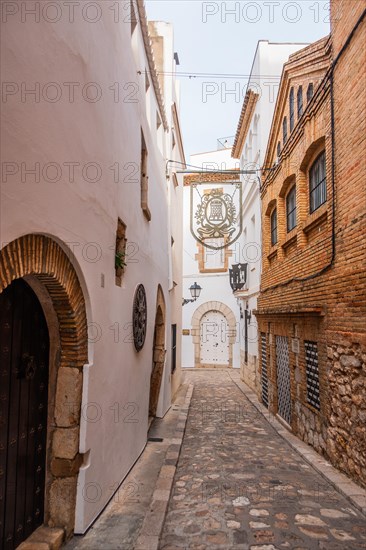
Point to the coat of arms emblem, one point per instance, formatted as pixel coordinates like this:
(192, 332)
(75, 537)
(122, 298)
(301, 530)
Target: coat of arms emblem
(216, 220)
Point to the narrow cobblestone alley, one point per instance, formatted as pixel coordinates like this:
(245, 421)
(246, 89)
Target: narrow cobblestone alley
(239, 485)
(182, 282)
(236, 483)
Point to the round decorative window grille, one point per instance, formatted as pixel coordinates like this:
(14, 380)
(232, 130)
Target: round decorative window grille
(139, 318)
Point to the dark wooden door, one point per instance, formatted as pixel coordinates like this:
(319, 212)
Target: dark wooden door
(24, 349)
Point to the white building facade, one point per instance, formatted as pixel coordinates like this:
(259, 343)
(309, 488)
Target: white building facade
(162, 39)
(211, 323)
(89, 213)
(249, 149)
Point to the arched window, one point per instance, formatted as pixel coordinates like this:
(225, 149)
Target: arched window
(292, 110)
(278, 150)
(291, 209)
(318, 183)
(284, 130)
(274, 227)
(299, 103)
(310, 92)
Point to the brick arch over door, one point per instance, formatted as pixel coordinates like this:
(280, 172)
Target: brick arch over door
(41, 257)
(196, 322)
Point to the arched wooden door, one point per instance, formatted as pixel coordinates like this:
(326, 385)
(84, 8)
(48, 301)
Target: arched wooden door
(24, 349)
(158, 362)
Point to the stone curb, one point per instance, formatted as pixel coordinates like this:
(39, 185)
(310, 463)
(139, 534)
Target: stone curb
(152, 526)
(355, 494)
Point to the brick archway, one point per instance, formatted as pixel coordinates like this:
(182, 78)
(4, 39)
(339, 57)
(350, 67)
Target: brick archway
(41, 258)
(196, 321)
(159, 352)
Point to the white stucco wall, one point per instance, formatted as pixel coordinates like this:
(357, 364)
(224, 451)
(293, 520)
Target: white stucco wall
(82, 214)
(215, 286)
(164, 57)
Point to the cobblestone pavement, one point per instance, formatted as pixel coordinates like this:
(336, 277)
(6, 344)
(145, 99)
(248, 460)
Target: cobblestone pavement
(122, 521)
(239, 485)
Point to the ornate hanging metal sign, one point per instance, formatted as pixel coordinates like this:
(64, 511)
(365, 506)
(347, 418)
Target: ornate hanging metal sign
(139, 319)
(216, 220)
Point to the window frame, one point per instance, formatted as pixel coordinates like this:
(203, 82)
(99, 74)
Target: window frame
(309, 92)
(300, 102)
(279, 150)
(273, 227)
(319, 189)
(291, 219)
(284, 130)
(292, 109)
(144, 178)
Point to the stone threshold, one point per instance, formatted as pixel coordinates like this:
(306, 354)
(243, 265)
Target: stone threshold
(43, 538)
(152, 527)
(355, 494)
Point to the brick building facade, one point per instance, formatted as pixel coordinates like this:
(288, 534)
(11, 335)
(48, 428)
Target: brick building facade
(312, 302)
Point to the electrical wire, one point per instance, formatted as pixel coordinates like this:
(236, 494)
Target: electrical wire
(228, 76)
(204, 171)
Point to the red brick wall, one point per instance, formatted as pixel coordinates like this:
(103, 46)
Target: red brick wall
(307, 248)
(344, 15)
(340, 292)
(346, 324)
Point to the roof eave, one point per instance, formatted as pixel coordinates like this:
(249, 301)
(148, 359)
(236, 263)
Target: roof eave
(246, 114)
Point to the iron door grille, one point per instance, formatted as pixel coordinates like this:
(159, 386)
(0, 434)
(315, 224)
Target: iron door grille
(283, 378)
(312, 374)
(264, 370)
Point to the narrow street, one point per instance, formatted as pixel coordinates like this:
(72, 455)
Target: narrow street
(238, 484)
(182, 282)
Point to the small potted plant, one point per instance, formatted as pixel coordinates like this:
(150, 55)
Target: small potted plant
(120, 262)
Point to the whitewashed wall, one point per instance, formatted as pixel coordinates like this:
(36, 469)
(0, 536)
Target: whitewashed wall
(164, 57)
(82, 214)
(215, 286)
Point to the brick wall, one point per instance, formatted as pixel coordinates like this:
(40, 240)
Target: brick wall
(346, 325)
(329, 308)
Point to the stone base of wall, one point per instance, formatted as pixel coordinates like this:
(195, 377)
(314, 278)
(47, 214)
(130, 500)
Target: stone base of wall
(310, 428)
(249, 371)
(338, 429)
(342, 437)
(346, 444)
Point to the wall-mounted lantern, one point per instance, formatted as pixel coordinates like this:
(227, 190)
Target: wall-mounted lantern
(195, 291)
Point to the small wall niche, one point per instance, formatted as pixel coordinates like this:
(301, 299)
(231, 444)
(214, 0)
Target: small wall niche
(120, 252)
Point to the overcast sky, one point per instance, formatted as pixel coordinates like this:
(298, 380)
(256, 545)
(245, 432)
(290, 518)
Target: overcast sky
(210, 39)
